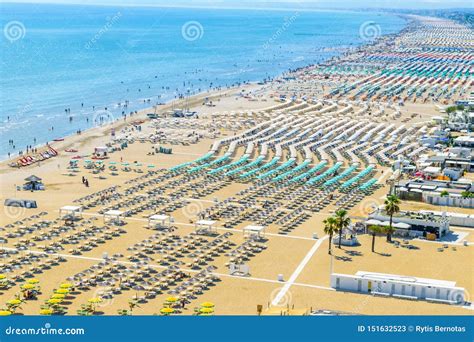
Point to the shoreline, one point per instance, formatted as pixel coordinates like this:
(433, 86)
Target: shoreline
(119, 123)
(250, 163)
(102, 131)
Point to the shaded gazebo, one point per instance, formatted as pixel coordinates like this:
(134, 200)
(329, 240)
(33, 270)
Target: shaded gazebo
(205, 227)
(159, 221)
(33, 183)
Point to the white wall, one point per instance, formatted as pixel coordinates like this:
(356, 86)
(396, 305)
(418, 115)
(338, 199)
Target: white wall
(393, 287)
(449, 201)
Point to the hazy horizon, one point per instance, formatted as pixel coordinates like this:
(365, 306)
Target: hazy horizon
(288, 4)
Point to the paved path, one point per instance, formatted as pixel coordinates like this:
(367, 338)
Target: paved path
(276, 301)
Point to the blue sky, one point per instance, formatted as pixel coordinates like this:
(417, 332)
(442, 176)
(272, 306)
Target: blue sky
(419, 4)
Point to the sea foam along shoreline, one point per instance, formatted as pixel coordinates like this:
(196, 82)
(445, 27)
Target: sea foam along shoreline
(71, 139)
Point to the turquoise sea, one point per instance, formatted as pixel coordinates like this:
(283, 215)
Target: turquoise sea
(88, 58)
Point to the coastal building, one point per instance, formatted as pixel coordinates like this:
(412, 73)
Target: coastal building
(415, 224)
(461, 120)
(435, 137)
(399, 286)
(455, 219)
(437, 192)
(464, 141)
(453, 173)
(455, 157)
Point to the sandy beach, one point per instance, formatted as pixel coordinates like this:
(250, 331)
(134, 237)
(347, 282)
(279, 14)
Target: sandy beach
(289, 268)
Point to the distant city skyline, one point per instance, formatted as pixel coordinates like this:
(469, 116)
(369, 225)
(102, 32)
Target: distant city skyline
(308, 4)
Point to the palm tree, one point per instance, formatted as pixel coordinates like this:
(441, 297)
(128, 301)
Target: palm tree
(467, 194)
(330, 228)
(392, 206)
(444, 193)
(342, 222)
(132, 304)
(374, 230)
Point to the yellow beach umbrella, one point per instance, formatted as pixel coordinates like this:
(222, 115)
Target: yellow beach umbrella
(65, 285)
(206, 310)
(172, 299)
(62, 291)
(32, 281)
(14, 302)
(95, 300)
(2, 276)
(5, 313)
(167, 311)
(54, 301)
(57, 296)
(46, 312)
(207, 305)
(27, 286)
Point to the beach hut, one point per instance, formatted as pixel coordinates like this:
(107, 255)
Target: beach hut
(33, 183)
(22, 203)
(100, 152)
